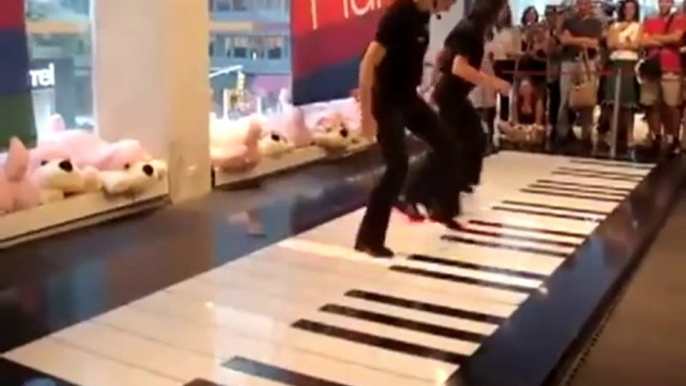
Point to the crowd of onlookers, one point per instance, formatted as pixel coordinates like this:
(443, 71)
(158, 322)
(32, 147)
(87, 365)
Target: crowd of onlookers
(627, 59)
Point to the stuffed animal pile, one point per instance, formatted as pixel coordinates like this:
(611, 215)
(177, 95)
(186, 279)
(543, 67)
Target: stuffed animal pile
(71, 162)
(520, 134)
(240, 145)
(336, 125)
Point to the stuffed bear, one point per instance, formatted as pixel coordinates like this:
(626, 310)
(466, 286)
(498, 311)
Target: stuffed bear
(331, 132)
(17, 191)
(56, 176)
(234, 145)
(123, 166)
(274, 145)
(350, 111)
(289, 124)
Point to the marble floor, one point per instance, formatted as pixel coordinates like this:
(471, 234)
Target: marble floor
(309, 310)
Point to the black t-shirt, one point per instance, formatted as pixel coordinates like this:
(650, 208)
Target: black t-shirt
(588, 27)
(404, 32)
(467, 41)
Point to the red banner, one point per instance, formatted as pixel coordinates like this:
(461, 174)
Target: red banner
(329, 39)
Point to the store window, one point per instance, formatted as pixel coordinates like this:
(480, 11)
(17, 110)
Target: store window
(240, 45)
(249, 58)
(257, 47)
(60, 50)
(275, 49)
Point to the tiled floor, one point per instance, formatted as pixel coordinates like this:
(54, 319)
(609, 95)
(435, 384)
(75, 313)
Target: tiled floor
(309, 310)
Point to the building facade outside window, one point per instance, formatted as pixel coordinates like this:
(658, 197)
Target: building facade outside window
(249, 55)
(60, 50)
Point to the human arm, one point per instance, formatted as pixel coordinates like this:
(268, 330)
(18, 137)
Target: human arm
(371, 60)
(462, 42)
(675, 33)
(648, 40)
(461, 68)
(436, 70)
(390, 26)
(568, 40)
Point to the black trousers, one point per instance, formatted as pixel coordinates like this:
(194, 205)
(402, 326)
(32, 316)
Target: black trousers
(462, 120)
(393, 116)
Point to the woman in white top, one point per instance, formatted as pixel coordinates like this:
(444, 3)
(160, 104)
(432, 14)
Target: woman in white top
(623, 43)
(505, 47)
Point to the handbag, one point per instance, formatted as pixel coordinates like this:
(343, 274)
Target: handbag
(650, 67)
(584, 93)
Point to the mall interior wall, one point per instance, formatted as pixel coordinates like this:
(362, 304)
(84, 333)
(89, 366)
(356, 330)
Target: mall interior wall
(441, 27)
(150, 83)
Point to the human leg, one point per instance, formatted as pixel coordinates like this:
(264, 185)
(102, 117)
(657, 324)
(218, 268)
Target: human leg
(650, 97)
(371, 235)
(563, 123)
(441, 175)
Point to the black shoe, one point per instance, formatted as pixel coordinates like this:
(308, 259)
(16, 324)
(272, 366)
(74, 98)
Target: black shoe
(447, 221)
(410, 210)
(381, 251)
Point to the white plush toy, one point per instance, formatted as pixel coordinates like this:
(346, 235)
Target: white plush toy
(53, 172)
(123, 166)
(350, 111)
(332, 133)
(234, 145)
(139, 177)
(290, 123)
(275, 145)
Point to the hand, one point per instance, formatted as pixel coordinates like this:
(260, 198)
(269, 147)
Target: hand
(424, 89)
(503, 87)
(369, 126)
(592, 43)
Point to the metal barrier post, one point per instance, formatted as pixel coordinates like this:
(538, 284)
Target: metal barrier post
(615, 114)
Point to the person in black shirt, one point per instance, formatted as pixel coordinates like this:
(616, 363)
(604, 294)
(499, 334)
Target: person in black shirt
(390, 73)
(459, 65)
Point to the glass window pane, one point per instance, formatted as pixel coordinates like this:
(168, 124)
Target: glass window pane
(61, 61)
(253, 36)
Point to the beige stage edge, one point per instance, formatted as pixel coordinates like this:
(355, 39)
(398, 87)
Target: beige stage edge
(76, 212)
(289, 161)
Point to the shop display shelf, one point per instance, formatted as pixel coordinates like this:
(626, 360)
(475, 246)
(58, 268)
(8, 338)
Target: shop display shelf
(293, 160)
(76, 212)
(269, 166)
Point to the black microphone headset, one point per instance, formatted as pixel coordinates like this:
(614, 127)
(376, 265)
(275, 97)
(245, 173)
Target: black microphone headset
(438, 15)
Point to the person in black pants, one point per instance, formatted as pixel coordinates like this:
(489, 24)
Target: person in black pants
(459, 66)
(390, 74)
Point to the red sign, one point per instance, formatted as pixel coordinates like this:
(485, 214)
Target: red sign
(329, 38)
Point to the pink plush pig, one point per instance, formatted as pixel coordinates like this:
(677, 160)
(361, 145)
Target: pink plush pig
(17, 191)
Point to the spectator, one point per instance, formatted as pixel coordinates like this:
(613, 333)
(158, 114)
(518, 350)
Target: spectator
(529, 17)
(662, 34)
(554, 20)
(532, 64)
(505, 48)
(623, 43)
(581, 34)
(528, 105)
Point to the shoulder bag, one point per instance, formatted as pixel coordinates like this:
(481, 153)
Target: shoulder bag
(584, 92)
